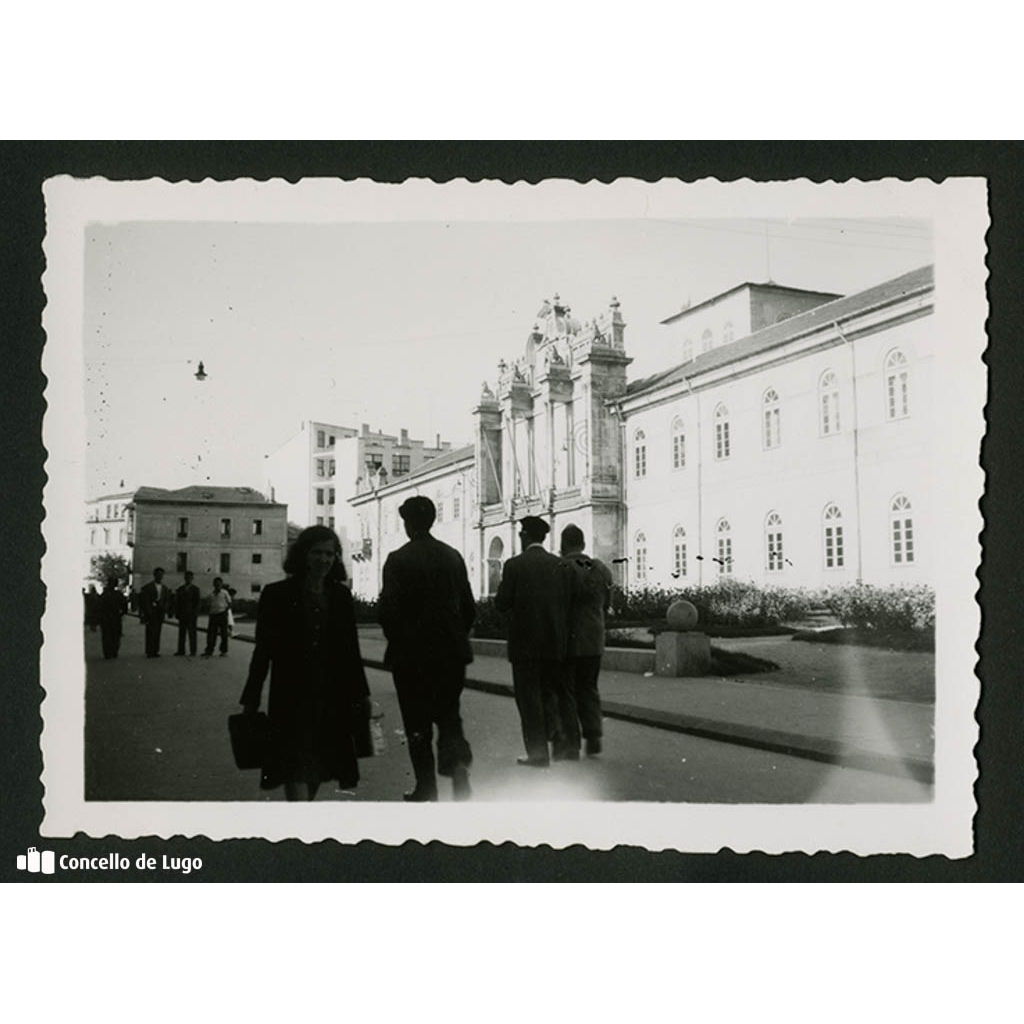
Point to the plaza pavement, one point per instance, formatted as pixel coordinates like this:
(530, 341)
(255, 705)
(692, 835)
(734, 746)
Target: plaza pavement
(819, 704)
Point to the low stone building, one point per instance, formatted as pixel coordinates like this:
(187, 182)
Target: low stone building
(232, 532)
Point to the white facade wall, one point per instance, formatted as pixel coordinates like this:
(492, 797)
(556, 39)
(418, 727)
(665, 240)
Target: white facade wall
(798, 479)
(687, 333)
(287, 473)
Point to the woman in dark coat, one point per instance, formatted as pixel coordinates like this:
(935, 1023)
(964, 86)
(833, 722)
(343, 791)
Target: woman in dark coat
(306, 637)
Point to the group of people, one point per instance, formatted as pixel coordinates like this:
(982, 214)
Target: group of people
(306, 640)
(157, 602)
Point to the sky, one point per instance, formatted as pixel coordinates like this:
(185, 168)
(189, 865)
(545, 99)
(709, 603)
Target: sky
(391, 324)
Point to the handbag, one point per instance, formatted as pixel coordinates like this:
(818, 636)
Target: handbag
(250, 738)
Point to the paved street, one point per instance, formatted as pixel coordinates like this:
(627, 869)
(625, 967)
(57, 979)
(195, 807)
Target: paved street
(156, 730)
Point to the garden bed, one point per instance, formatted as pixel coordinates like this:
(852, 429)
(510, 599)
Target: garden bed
(886, 639)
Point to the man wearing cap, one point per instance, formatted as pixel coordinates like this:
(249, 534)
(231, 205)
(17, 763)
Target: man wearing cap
(536, 594)
(427, 610)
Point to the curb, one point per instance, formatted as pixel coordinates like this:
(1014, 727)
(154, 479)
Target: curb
(794, 744)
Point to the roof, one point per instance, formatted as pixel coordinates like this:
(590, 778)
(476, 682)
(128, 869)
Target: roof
(778, 334)
(204, 495)
(438, 462)
(769, 286)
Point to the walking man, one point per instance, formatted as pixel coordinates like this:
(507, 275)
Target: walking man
(427, 609)
(186, 608)
(593, 596)
(154, 603)
(220, 603)
(112, 606)
(536, 592)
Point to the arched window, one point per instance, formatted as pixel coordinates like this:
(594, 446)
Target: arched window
(721, 432)
(772, 434)
(678, 552)
(773, 541)
(832, 536)
(687, 350)
(828, 403)
(707, 341)
(678, 444)
(639, 454)
(640, 557)
(901, 523)
(727, 332)
(723, 534)
(897, 385)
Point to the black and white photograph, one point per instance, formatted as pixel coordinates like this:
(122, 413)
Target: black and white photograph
(630, 513)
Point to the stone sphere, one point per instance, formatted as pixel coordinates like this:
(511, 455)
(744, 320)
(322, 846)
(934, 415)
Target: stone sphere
(682, 616)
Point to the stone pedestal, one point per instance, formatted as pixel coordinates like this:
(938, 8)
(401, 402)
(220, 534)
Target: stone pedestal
(682, 654)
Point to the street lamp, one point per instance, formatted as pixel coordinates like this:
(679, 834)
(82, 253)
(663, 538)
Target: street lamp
(200, 373)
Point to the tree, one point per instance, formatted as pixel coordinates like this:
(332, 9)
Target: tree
(102, 567)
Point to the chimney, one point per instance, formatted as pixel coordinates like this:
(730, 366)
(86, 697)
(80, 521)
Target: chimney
(438, 445)
(405, 438)
(366, 429)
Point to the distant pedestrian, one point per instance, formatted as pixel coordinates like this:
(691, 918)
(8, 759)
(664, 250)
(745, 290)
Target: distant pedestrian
(592, 599)
(112, 606)
(186, 610)
(536, 592)
(154, 604)
(306, 638)
(427, 609)
(220, 608)
(92, 608)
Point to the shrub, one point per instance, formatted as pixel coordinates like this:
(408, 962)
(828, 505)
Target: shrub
(365, 610)
(490, 623)
(895, 608)
(725, 602)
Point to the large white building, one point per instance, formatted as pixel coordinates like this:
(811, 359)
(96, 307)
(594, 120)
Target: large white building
(789, 442)
(106, 531)
(322, 465)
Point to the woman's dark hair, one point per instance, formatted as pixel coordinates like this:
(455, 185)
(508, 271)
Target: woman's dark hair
(295, 563)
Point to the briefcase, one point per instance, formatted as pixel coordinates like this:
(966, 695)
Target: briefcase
(250, 737)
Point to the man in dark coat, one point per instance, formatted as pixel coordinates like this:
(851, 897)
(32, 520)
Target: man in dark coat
(536, 593)
(186, 610)
(427, 609)
(593, 595)
(112, 605)
(154, 604)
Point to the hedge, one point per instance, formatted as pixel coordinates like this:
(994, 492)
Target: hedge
(864, 606)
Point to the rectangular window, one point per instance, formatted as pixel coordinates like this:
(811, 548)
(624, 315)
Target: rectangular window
(319, 520)
(183, 526)
(181, 562)
(902, 541)
(257, 527)
(320, 471)
(771, 428)
(257, 558)
(833, 547)
(679, 451)
(225, 562)
(330, 522)
(255, 588)
(775, 551)
(319, 495)
(225, 527)
(724, 556)
(330, 441)
(330, 496)
(640, 460)
(440, 510)
(680, 559)
(400, 465)
(320, 439)
(722, 439)
(330, 467)
(456, 507)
